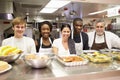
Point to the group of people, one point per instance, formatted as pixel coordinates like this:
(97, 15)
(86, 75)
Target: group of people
(69, 42)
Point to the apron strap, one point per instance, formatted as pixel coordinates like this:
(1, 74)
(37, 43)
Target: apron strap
(42, 41)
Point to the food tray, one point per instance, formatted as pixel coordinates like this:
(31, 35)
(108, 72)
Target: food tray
(97, 57)
(10, 67)
(116, 54)
(75, 63)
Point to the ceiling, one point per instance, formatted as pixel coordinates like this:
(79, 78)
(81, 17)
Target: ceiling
(31, 9)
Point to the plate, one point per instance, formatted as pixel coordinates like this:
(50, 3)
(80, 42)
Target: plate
(74, 63)
(10, 67)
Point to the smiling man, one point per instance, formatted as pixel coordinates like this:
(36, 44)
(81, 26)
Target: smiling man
(101, 39)
(64, 45)
(26, 44)
(80, 37)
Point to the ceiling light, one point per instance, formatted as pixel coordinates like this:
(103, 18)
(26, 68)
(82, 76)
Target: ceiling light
(48, 10)
(54, 5)
(97, 12)
(110, 11)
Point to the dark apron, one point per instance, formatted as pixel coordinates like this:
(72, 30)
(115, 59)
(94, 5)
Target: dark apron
(98, 46)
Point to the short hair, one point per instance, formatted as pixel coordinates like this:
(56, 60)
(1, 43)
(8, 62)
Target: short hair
(100, 21)
(77, 19)
(18, 20)
(45, 22)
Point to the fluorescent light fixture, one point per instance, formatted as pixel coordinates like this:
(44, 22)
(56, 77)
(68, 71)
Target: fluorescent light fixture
(54, 5)
(98, 12)
(110, 11)
(48, 10)
(57, 3)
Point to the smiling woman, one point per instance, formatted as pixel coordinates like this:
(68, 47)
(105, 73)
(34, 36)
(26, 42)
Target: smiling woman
(44, 43)
(66, 44)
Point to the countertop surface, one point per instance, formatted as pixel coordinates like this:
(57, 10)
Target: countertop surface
(57, 71)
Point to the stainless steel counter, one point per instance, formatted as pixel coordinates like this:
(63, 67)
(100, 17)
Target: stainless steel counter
(57, 71)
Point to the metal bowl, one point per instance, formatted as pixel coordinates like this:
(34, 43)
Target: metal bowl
(37, 63)
(10, 58)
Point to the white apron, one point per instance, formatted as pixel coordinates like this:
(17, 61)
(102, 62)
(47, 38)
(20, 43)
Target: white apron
(45, 50)
(79, 46)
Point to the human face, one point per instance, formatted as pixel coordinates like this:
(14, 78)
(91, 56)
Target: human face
(78, 26)
(65, 33)
(45, 31)
(100, 28)
(19, 30)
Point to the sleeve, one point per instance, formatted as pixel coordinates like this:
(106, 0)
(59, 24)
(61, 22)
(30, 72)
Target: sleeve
(55, 43)
(115, 40)
(3, 43)
(32, 46)
(6, 42)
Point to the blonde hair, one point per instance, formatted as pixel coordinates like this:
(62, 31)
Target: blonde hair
(18, 20)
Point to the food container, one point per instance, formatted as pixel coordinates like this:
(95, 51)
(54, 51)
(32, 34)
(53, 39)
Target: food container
(72, 60)
(97, 57)
(10, 58)
(37, 61)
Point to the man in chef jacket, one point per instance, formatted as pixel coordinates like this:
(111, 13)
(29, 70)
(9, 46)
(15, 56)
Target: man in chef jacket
(101, 39)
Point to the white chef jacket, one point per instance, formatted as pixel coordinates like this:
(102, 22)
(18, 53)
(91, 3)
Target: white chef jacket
(112, 39)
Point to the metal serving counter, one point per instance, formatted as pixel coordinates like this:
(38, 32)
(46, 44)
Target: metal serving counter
(57, 71)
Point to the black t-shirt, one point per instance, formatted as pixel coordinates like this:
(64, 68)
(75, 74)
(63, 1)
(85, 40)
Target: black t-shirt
(43, 46)
(77, 38)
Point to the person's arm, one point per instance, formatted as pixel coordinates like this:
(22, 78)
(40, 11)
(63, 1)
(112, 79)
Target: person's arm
(54, 47)
(115, 41)
(55, 50)
(3, 43)
(6, 42)
(33, 47)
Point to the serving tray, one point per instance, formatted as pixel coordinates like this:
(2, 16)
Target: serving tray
(74, 63)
